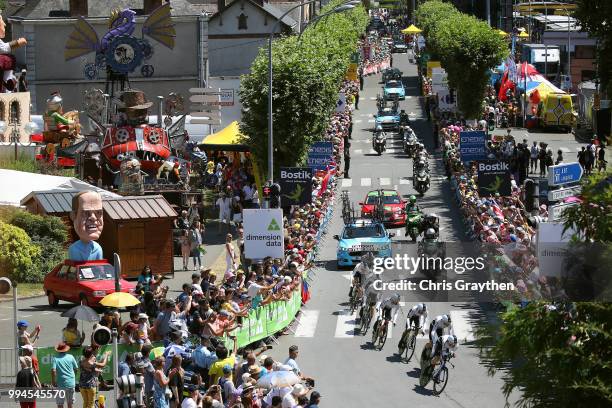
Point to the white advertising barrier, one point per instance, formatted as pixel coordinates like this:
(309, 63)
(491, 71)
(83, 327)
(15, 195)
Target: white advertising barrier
(444, 98)
(551, 246)
(263, 233)
(439, 77)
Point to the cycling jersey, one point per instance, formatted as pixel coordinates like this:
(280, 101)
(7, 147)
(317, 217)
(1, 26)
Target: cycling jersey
(418, 317)
(442, 346)
(390, 309)
(437, 326)
(362, 271)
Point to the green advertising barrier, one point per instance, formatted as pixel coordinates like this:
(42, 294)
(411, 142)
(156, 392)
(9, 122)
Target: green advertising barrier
(266, 320)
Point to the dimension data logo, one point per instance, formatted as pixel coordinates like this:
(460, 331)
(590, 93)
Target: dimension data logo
(273, 226)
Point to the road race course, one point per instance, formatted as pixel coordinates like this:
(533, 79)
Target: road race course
(348, 372)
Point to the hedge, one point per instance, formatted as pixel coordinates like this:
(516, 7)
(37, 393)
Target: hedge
(17, 254)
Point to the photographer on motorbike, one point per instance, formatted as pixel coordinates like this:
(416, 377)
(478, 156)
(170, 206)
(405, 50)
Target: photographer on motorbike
(379, 140)
(404, 119)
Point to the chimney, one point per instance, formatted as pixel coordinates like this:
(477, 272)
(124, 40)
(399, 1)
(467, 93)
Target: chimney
(150, 5)
(78, 8)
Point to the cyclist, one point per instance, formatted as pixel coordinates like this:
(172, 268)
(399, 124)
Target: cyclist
(444, 347)
(389, 306)
(417, 317)
(412, 205)
(362, 271)
(437, 326)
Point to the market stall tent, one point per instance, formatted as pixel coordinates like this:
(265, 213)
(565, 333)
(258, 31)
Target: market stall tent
(227, 140)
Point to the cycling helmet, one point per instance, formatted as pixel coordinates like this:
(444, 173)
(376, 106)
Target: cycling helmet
(432, 216)
(430, 233)
(424, 307)
(452, 340)
(445, 319)
(378, 128)
(396, 298)
(448, 317)
(412, 199)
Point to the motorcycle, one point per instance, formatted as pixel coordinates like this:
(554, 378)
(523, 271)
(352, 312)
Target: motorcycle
(379, 143)
(433, 253)
(413, 224)
(421, 181)
(410, 141)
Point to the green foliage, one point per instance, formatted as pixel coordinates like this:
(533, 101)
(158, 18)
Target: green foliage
(592, 219)
(555, 358)
(17, 254)
(38, 227)
(467, 48)
(595, 17)
(27, 164)
(306, 78)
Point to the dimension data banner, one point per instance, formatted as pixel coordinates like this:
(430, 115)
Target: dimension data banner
(296, 185)
(263, 233)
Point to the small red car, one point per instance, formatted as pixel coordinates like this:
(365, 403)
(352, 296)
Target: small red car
(84, 282)
(394, 206)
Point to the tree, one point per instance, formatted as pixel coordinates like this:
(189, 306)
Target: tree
(306, 79)
(17, 254)
(595, 17)
(467, 47)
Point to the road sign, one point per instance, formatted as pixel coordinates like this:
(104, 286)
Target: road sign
(227, 97)
(562, 193)
(206, 114)
(555, 211)
(205, 107)
(205, 91)
(199, 121)
(202, 98)
(564, 173)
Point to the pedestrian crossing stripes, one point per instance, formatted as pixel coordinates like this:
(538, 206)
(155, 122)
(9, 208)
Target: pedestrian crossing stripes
(372, 151)
(564, 149)
(366, 181)
(385, 181)
(347, 182)
(347, 324)
(307, 324)
(405, 180)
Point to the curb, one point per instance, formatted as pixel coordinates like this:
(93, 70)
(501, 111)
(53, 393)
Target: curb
(22, 298)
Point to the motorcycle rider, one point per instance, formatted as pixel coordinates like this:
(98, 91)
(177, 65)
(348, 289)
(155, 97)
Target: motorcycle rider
(379, 132)
(431, 221)
(404, 119)
(411, 205)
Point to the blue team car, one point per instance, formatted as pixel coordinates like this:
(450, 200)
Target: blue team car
(388, 118)
(360, 237)
(394, 88)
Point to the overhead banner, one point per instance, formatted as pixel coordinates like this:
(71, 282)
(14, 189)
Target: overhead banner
(263, 233)
(296, 185)
(494, 177)
(473, 145)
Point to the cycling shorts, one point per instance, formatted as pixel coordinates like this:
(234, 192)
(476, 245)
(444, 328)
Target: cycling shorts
(386, 313)
(372, 299)
(414, 321)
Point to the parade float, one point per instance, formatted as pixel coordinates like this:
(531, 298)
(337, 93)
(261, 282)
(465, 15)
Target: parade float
(126, 153)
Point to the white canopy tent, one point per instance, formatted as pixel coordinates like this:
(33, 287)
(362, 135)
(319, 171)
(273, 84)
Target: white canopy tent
(15, 185)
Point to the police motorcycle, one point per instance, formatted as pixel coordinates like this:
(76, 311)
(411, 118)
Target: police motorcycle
(409, 140)
(414, 218)
(421, 180)
(379, 140)
(404, 119)
(433, 253)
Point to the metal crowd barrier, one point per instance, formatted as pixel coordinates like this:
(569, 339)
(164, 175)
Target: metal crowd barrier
(7, 365)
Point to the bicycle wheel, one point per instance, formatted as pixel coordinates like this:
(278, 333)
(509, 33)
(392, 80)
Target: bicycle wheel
(440, 381)
(365, 321)
(403, 343)
(382, 338)
(375, 330)
(425, 376)
(411, 345)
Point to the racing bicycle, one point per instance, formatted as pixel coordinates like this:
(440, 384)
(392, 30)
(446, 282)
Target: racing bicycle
(407, 343)
(379, 333)
(366, 318)
(356, 298)
(438, 375)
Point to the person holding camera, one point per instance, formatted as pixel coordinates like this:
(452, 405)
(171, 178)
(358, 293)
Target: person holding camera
(194, 400)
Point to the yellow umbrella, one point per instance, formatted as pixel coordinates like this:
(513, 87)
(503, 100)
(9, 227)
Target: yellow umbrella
(523, 34)
(156, 352)
(119, 299)
(502, 33)
(411, 30)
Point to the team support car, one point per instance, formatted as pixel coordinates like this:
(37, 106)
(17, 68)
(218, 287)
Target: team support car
(394, 88)
(391, 73)
(362, 236)
(388, 119)
(393, 206)
(82, 282)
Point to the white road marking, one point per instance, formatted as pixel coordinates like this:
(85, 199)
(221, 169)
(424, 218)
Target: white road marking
(564, 149)
(347, 182)
(409, 97)
(345, 324)
(26, 316)
(395, 187)
(357, 151)
(307, 324)
(385, 181)
(405, 180)
(366, 182)
(6, 319)
(461, 326)
(46, 313)
(371, 120)
(358, 121)
(372, 98)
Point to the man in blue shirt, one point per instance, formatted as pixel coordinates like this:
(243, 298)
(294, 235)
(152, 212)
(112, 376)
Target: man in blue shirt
(63, 374)
(88, 219)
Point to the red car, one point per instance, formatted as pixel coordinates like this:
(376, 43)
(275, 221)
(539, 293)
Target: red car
(87, 282)
(394, 206)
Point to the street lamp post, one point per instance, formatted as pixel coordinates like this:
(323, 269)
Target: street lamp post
(5, 286)
(270, 77)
